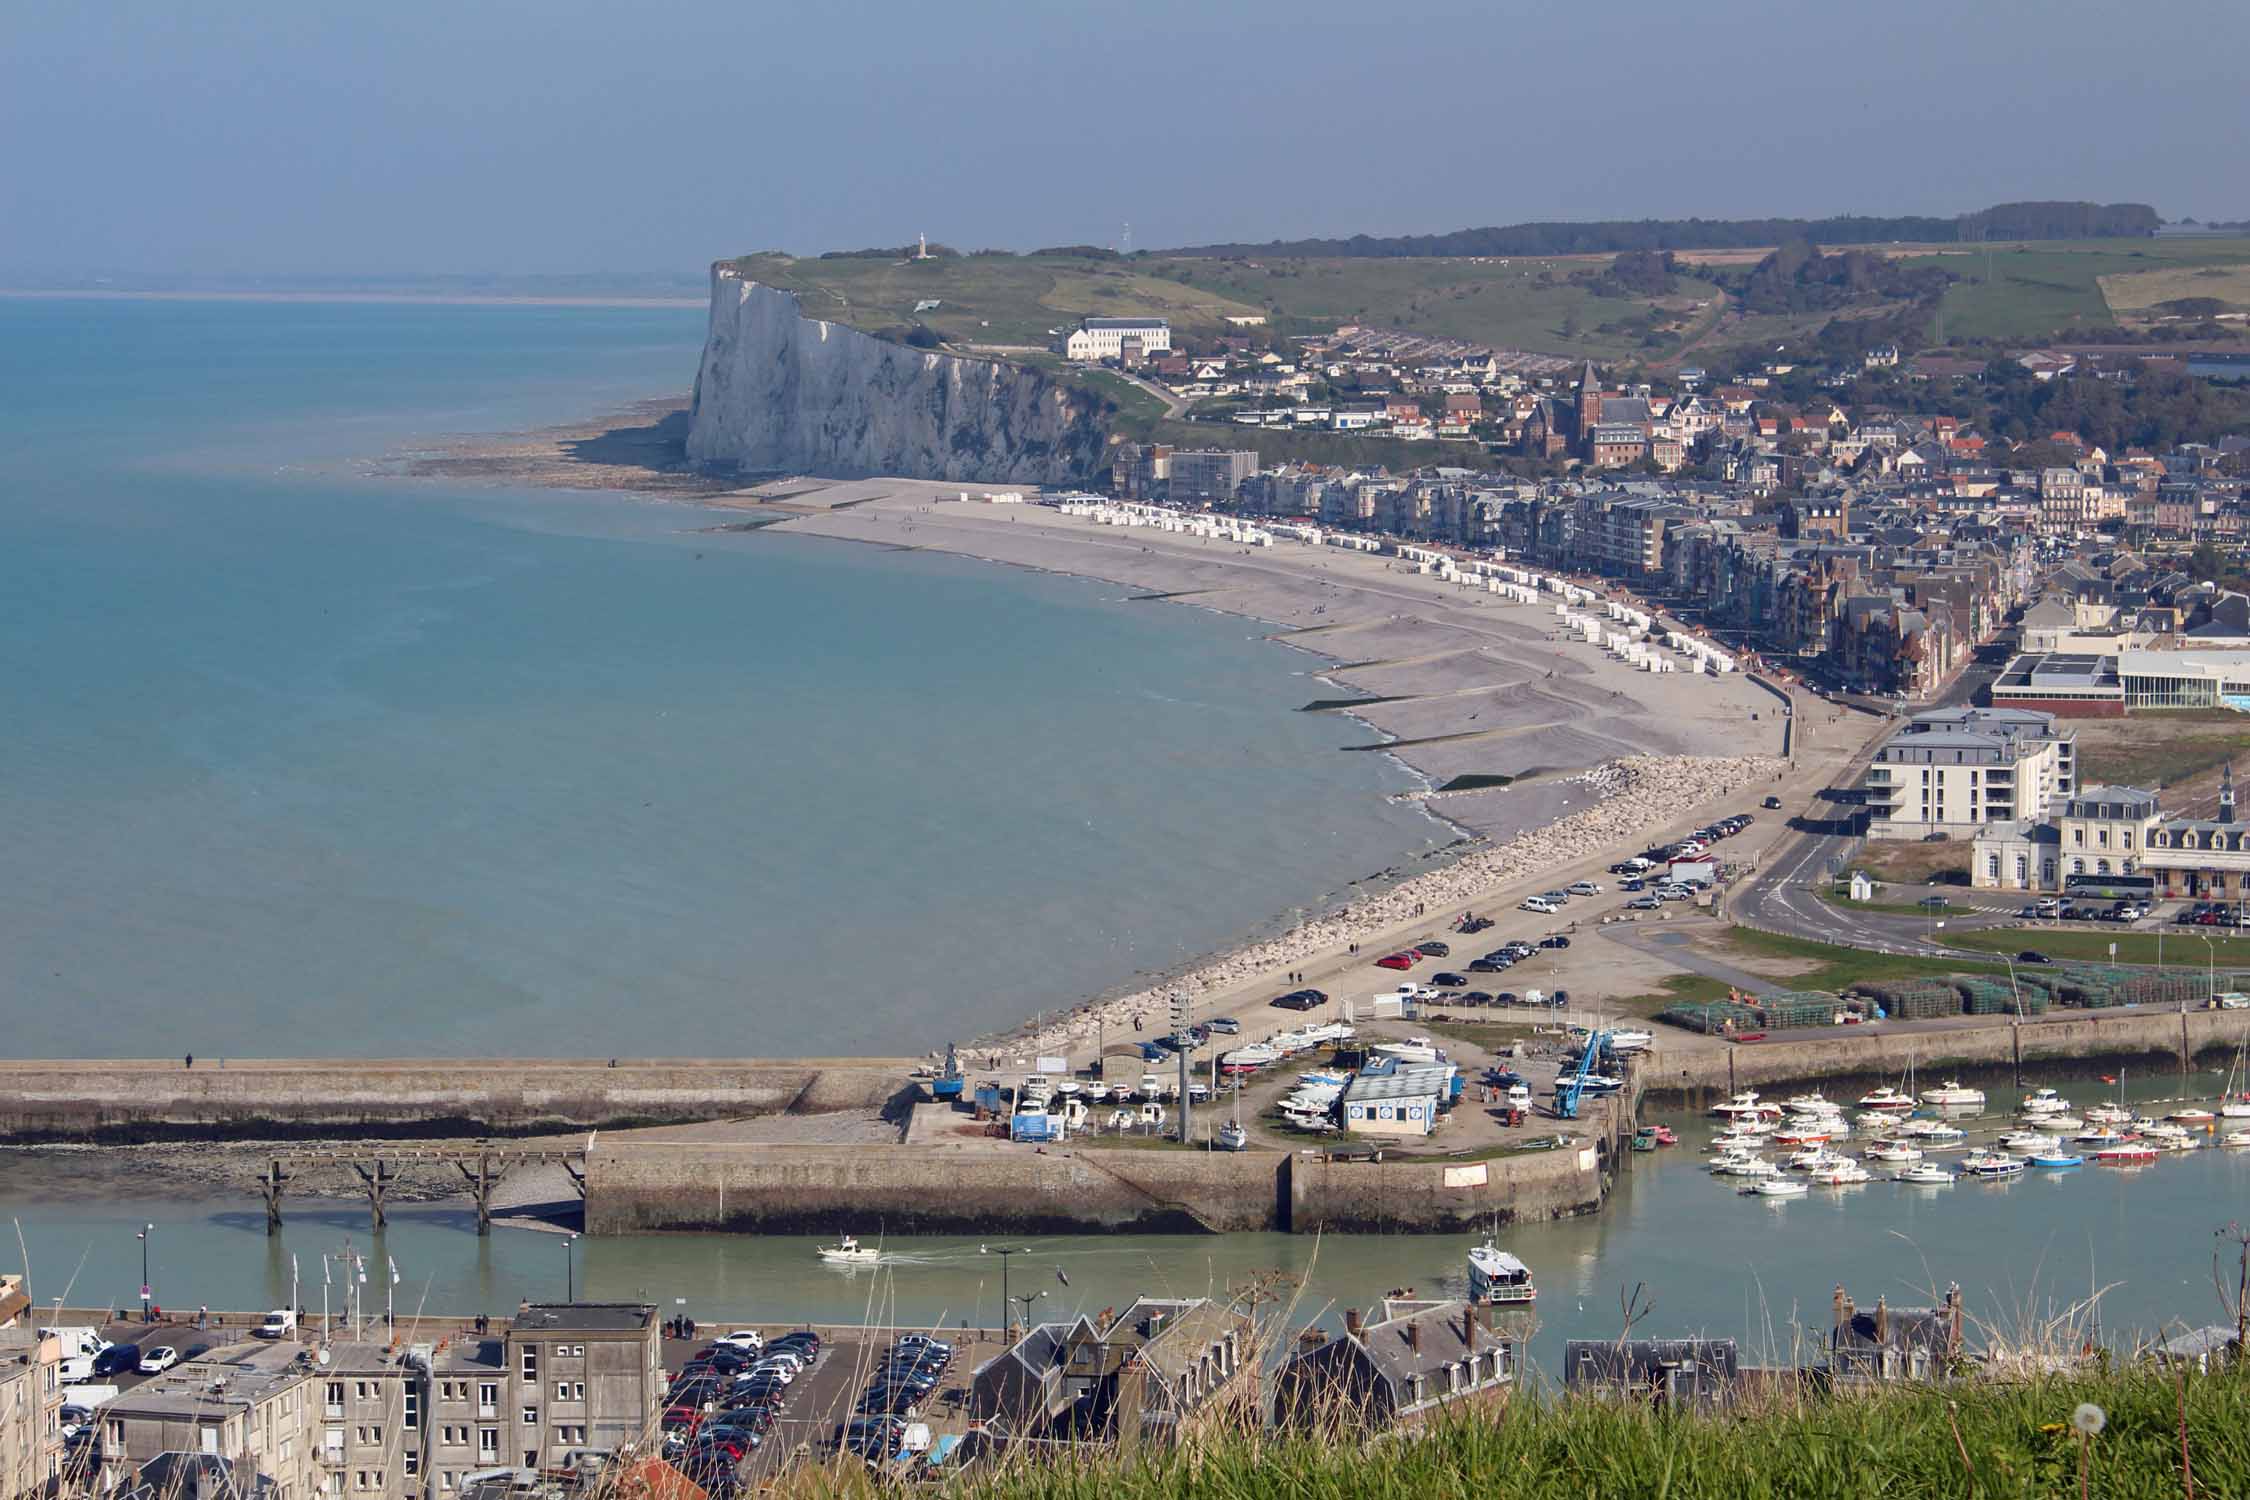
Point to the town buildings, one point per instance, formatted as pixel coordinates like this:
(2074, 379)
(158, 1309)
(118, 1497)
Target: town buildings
(1126, 340)
(1417, 1358)
(1953, 771)
(1157, 1373)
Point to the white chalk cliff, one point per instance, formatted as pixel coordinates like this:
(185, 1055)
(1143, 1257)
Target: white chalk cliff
(781, 392)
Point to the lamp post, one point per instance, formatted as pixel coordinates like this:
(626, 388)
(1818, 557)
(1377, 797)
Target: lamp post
(1027, 1301)
(145, 1231)
(570, 1268)
(1004, 1252)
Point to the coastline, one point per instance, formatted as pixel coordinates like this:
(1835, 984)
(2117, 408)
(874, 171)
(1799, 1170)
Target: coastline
(1455, 684)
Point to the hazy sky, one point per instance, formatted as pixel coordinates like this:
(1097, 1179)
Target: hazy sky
(261, 136)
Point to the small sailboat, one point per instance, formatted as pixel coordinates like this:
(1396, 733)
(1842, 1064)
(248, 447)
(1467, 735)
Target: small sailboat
(1232, 1137)
(848, 1251)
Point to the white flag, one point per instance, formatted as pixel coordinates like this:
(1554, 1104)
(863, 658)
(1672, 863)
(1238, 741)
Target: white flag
(394, 1270)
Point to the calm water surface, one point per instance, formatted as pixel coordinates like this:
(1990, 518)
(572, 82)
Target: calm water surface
(299, 763)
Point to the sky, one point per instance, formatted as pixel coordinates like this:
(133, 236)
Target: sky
(281, 137)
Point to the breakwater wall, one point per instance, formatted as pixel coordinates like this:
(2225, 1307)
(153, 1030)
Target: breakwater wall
(1698, 1073)
(122, 1101)
(635, 1186)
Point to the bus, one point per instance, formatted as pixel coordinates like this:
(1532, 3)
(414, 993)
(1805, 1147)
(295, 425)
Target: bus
(2140, 888)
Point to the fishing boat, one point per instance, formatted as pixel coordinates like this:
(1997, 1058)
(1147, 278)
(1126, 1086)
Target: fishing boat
(2058, 1159)
(2191, 1116)
(1887, 1100)
(1893, 1151)
(1843, 1172)
(1810, 1136)
(1990, 1164)
(2126, 1153)
(1927, 1174)
(2029, 1142)
(1779, 1187)
(1953, 1095)
(848, 1251)
(1746, 1106)
(1497, 1278)
(2237, 1139)
(2043, 1102)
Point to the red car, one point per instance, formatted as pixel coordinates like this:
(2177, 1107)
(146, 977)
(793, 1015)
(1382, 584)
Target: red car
(1397, 960)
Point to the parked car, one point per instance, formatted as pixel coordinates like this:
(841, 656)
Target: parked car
(1485, 966)
(1433, 948)
(1771, 802)
(2033, 956)
(1643, 903)
(744, 1338)
(1225, 1025)
(1539, 904)
(159, 1359)
(1585, 888)
(117, 1359)
(1449, 981)
(1396, 961)
(1554, 940)
(1632, 883)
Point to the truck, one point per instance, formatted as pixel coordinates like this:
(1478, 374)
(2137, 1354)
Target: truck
(1035, 1125)
(76, 1340)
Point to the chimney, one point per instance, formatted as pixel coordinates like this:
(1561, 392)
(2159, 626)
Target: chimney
(1953, 1322)
(1882, 1320)
(1843, 1308)
(1351, 1321)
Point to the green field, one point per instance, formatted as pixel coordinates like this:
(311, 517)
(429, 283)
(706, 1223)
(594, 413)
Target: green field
(2186, 948)
(2054, 287)
(1677, 989)
(987, 299)
(1833, 967)
(1512, 304)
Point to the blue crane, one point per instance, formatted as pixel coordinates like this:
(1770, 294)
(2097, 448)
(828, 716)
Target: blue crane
(1567, 1089)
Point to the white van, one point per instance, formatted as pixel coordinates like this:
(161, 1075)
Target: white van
(76, 1340)
(278, 1324)
(1538, 904)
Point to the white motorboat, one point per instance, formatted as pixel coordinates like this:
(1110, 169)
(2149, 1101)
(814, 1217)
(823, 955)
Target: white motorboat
(1630, 1041)
(1953, 1095)
(1887, 1100)
(2236, 1108)
(1842, 1172)
(1745, 1166)
(1894, 1151)
(1250, 1058)
(2030, 1142)
(2059, 1124)
(2191, 1116)
(2109, 1114)
(1497, 1278)
(848, 1251)
(2043, 1102)
(2099, 1136)
(1814, 1159)
(1779, 1187)
(2237, 1139)
(1932, 1134)
(1746, 1106)
(1927, 1174)
(1813, 1104)
(1991, 1164)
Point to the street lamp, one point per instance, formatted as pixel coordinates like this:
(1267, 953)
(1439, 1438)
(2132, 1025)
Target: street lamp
(1027, 1301)
(145, 1231)
(1004, 1251)
(570, 1269)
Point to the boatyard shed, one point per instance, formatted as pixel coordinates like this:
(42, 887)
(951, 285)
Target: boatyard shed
(1417, 1357)
(1393, 1097)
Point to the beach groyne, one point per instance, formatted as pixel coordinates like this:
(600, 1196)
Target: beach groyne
(108, 1100)
(1694, 1075)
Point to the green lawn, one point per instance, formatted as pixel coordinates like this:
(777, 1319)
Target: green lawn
(2053, 287)
(1678, 989)
(2188, 948)
(1836, 967)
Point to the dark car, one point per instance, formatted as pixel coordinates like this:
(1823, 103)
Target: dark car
(1632, 883)
(118, 1359)
(1556, 941)
(1298, 1001)
(1935, 903)
(1771, 802)
(1506, 997)
(2033, 956)
(1485, 966)
(1449, 981)
(871, 1437)
(1433, 948)
(1477, 997)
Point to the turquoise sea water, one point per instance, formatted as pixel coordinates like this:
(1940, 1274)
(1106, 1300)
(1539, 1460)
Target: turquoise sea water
(299, 762)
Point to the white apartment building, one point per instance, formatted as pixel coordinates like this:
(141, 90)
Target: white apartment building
(1956, 770)
(1096, 339)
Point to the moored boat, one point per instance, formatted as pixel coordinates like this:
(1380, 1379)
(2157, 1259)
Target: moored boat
(2029, 1142)
(1843, 1172)
(2191, 1116)
(2058, 1159)
(1497, 1278)
(1779, 1187)
(2125, 1153)
(1990, 1164)
(2043, 1102)
(1887, 1100)
(1953, 1094)
(1926, 1174)
(2237, 1139)
(1893, 1151)
(1746, 1106)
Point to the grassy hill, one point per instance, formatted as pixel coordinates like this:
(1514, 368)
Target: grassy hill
(2043, 288)
(987, 299)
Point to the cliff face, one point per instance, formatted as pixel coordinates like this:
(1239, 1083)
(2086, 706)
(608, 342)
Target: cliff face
(780, 391)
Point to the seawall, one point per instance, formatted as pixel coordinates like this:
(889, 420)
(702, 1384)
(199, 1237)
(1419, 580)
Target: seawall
(109, 1100)
(1696, 1074)
(639, 1186)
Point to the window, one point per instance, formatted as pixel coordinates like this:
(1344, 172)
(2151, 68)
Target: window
(362, 1389)
(488, 1398)
(488, 1442)
(445, 1480)
(570, 1390)
(1992, 866)
(531, 1416)
(413, 1415)
(413, 1463)
(530, 1362)
(335, 1398)
(336, 1483)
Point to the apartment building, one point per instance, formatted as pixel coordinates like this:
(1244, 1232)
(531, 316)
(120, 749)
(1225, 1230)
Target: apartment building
(1106, 338)
(585, 1374)
(254, 1405)
(1955, 770)
(1209, 475)
(30, 1403)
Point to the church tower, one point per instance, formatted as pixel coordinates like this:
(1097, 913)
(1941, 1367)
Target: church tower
(1589, 404)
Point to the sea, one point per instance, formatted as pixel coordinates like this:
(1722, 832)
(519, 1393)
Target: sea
(304, 760)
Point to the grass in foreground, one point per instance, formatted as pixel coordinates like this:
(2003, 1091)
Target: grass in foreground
(2156, 1439)
(2189, 948)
